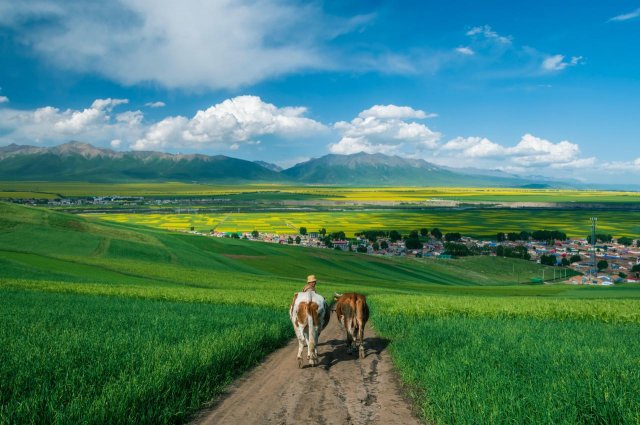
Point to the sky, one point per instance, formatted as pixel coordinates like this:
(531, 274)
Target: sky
(532, 88)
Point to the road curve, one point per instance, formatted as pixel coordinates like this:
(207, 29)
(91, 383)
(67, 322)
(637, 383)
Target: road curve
(342, 390)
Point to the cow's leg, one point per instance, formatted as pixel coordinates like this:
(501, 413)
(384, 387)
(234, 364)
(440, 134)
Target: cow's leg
(300, 335)
(312, 349)
(360, 338)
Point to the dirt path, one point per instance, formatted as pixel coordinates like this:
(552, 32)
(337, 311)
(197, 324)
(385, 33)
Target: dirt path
(341, 390)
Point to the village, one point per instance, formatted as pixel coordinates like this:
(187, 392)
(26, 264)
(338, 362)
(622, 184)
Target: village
(616, 261)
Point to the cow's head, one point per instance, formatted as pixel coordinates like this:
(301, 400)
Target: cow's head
(336, 296)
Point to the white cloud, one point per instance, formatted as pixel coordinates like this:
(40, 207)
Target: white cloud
(487, 32)
(393, 111)
(157, 104)
(4, 99)
(626, 16)
(187, 44)
(230, 123)
(529, 153)
(557, 62)
(474, 147)
(384, 129)
(615, 167)
(48, 125)
(464, 50)
(227, 125)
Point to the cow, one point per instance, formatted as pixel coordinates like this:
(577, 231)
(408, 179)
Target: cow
(352, 312)
(310, 314)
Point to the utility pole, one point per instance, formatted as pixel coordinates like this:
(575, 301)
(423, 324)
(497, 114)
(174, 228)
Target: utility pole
(594, 221)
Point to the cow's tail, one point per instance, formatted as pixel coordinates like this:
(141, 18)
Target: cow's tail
(312, 331)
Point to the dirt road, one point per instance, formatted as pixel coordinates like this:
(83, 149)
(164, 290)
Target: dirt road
(341, 390)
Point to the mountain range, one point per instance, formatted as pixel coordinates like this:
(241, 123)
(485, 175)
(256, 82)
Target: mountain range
(77, 161)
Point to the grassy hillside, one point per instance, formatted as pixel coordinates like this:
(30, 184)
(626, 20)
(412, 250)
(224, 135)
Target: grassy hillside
(104, 322)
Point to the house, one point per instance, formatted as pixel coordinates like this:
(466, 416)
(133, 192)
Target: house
(343, 245)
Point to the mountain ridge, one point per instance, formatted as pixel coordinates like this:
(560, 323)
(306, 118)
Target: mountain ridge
(82, 161)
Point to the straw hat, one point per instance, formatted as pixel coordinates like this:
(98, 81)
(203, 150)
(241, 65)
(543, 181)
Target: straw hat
(311, 278)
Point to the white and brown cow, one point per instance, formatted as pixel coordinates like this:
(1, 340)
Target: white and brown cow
(353, 313)
(309, 314)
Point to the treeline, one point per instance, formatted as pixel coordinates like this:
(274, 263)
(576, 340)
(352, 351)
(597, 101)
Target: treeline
(538, 235)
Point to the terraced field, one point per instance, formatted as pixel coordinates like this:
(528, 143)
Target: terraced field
(470, 222)
(116, 323)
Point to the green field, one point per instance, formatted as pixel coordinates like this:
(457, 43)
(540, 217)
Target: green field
(106, 322)
(469, 222)
(334, 193)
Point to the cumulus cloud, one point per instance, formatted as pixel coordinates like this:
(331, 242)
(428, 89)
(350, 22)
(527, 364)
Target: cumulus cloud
(474, 147)
(52, 125)
(227, 125)
(187, 44)
(4, 99)
(626, 16)
(464, 50)
(157, 104)
(385, 129)
(557, 62)
(230, 123)
(530, 152)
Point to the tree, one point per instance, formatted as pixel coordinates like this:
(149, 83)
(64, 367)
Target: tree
(327, 242)
(235, 236)
(362, 249)
(298, 240)
(413, 234)
(436, 233)
(338, 235)
(413, 243)
(602, 237)
(322, 231)
(424, 232)
(452, 237)
(501, 237)
(456, 249)
(548, 260)
(603, 265)
(255, 234)
(384, 245)
(376, 246)
(635, 268)
(394, 236)
(575, 258)
(525, 236)
(623, 275)
(565, 262)
(303, 231)
(289, 240)
(512, 236)
(626, 241)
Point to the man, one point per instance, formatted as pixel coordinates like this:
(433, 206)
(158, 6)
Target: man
(311, 284)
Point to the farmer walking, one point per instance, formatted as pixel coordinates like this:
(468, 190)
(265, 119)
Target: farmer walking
(311, 284)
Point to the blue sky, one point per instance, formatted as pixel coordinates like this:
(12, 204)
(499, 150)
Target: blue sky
(540, 87)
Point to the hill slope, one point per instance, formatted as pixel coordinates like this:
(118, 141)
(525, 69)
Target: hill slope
(84, 162)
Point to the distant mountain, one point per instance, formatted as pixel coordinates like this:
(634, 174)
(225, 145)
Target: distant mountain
(269, 166)
(84, 162)
(77, 161)
(365, 169)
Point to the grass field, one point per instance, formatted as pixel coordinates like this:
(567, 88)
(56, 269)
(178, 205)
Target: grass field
(470, 222)
(116, 323)
(335, 193)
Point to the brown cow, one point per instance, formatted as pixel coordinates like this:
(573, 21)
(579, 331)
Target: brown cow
(353, 313)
